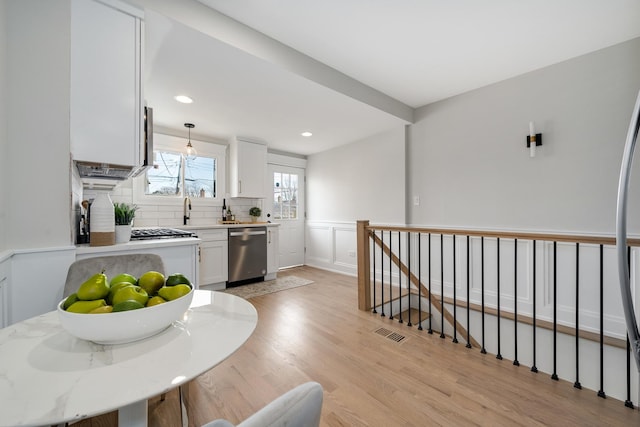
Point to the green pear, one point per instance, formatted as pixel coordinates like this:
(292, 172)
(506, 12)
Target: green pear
(86, 306)
(96, 287)
(171, 293)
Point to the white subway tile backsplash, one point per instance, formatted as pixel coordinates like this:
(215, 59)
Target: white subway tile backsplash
(172, 215)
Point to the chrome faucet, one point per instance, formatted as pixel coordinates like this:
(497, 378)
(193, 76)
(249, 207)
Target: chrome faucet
(187, 203)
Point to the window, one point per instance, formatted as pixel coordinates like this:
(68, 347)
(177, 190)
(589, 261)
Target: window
(174, 177)
(285, 195)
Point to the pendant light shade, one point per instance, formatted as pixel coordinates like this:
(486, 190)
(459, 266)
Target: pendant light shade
(191, 152)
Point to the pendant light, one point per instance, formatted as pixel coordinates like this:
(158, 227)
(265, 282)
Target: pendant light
(191, 152)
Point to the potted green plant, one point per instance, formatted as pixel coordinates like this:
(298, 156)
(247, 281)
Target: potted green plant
(255, 212)
(124, 214)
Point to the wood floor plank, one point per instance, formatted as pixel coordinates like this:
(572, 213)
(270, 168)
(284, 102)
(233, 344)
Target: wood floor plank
(315, 332)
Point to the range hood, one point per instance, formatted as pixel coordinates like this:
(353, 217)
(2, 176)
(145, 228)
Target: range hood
(104, 171)
(105, 176)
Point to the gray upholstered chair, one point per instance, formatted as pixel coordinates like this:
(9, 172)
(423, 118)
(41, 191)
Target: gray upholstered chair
(134, 264)
(299, 407)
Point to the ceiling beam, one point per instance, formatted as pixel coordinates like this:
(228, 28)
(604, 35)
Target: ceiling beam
(221, 27)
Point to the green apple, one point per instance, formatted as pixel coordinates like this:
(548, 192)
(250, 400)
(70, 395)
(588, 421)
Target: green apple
(127, 305)
(171, 293)
(115, 288)
(124, 277)
(134, 293)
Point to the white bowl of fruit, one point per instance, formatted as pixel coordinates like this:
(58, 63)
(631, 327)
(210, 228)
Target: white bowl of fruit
(125, 308)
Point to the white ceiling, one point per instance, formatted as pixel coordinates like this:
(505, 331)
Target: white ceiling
(413, 51)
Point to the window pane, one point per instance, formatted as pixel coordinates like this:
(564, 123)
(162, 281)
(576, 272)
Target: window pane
(164, 177)
(285, 196)
(277, 196)
(200, 177)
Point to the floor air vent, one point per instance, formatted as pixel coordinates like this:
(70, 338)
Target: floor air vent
(389, 334)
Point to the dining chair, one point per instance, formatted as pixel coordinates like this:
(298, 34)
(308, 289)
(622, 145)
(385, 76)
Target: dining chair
(299, 407)
(134, 264)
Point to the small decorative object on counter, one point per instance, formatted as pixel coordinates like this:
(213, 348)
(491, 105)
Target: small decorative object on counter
(255, 212)
(103, 229)
(224, 210)
(124, 215)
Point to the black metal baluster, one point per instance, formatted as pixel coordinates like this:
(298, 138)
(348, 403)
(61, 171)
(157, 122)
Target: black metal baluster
(419, 282)
(400, 275)
(515, 302)
(409, 276)
(601, 392)
(577, 384)
(628, 403)
(441, 285)
(429, 265)
(468, 299)
(554, 376)
(534, 368)
(374, 271)
(390, 275)
(455, 321)
(382, 271)
(499, 355)
(483, 350)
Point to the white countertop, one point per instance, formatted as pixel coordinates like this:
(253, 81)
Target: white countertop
(208, 226)
(48, 377)
(137, 244)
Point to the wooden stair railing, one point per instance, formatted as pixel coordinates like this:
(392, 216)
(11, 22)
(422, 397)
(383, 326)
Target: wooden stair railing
(422, 289)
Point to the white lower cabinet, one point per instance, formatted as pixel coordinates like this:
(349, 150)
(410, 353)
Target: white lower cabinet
(214, 268)
(36, 279)
(273, 252)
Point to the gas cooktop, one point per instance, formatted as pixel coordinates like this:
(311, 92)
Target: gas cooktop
(159, 233)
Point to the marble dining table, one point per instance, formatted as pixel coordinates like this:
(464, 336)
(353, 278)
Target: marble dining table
(48, 377)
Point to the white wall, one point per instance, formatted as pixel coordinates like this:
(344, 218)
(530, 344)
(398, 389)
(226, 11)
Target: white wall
(37, 198)
(469, 163)
(362, 180)
(4, 177)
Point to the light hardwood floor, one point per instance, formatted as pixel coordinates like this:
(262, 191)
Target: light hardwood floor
(315, 332)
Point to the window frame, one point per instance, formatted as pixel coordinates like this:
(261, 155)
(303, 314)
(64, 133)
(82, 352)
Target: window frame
(162, 142)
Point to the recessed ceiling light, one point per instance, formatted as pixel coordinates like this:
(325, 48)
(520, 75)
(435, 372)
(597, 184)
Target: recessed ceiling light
(183, 98)
(307, 134)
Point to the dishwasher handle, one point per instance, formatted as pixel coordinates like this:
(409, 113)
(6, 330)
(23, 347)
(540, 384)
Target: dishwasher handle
(246, 233)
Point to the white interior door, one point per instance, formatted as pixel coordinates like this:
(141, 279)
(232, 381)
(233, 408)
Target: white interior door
(286, 207)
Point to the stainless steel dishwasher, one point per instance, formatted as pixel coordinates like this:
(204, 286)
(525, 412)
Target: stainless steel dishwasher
(247, 255)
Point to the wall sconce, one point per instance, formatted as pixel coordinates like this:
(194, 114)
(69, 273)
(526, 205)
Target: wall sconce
(533, 139)
(191, 152)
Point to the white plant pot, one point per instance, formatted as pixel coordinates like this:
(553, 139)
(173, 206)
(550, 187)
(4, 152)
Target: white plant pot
(123, 233)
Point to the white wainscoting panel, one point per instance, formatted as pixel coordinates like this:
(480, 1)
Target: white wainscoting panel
(330, 246)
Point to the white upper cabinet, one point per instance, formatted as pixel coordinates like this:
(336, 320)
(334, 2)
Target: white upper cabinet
(106, 92)
(248, 168)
